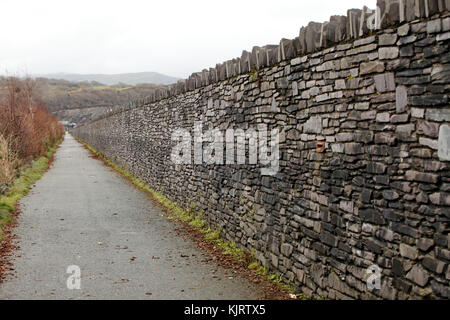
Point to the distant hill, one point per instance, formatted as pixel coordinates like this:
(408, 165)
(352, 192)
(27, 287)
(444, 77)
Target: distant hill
(113, 79)
(84, 100)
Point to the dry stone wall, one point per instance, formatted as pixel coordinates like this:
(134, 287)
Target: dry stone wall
(363, 184)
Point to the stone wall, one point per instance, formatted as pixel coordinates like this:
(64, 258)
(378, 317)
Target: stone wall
(363, 180)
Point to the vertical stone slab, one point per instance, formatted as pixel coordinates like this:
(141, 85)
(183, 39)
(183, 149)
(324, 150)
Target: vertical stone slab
(323, 35)
(353, 23)
(232, 68)
(337, 29)
(212, 75)
(221, 71)
(198, 80)
(393, 12)
(287, 49)
(313, 36)
(262, 57)
(401, 99)
(245, 62)
(254, 58)
(302, 40)
(433, 7)
(441, 5)
(297, 47)
(205, 77)
(367, 21)
(179, 86)
(402, 10)
(272, 56)
(387, 13)
(237, 66)
(444, 143)
(410, 10)
(419, 8)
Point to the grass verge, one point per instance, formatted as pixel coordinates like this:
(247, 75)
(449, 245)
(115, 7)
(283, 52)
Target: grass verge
(195, 220)
(22, 186)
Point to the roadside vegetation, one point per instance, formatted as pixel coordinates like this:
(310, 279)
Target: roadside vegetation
(193, 219)
(29, 135)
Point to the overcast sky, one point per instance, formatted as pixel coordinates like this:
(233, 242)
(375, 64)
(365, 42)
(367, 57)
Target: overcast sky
(172, 37)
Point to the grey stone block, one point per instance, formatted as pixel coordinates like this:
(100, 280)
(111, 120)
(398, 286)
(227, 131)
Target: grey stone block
(443, 36)
(434, 26)
(428, 100)
(412, 175)
(430, 129)
(403, 30)
(388, 39)
(425, 244)
(418, 275)
(440, 74)
(408, 251)
(388, 53)
(385, 82)
(444, 143)
(372, 216)
(313, 125)
(446, 24)
(407, 40)
(371, 67)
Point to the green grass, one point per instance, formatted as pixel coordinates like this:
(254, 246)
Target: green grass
(197, 222)
(22, 186)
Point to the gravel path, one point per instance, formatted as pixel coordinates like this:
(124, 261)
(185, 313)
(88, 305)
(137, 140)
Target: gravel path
(82, 213)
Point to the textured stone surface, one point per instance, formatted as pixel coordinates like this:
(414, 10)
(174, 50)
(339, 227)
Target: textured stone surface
(444, 143)
(363, 173)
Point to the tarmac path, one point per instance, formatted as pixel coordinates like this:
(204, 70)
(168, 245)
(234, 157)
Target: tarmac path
(83, 214)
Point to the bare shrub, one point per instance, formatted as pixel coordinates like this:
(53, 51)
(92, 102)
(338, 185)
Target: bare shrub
(8, 162)
(25, 123)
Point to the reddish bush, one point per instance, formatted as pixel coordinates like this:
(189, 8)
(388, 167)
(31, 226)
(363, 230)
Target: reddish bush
(25, 120)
